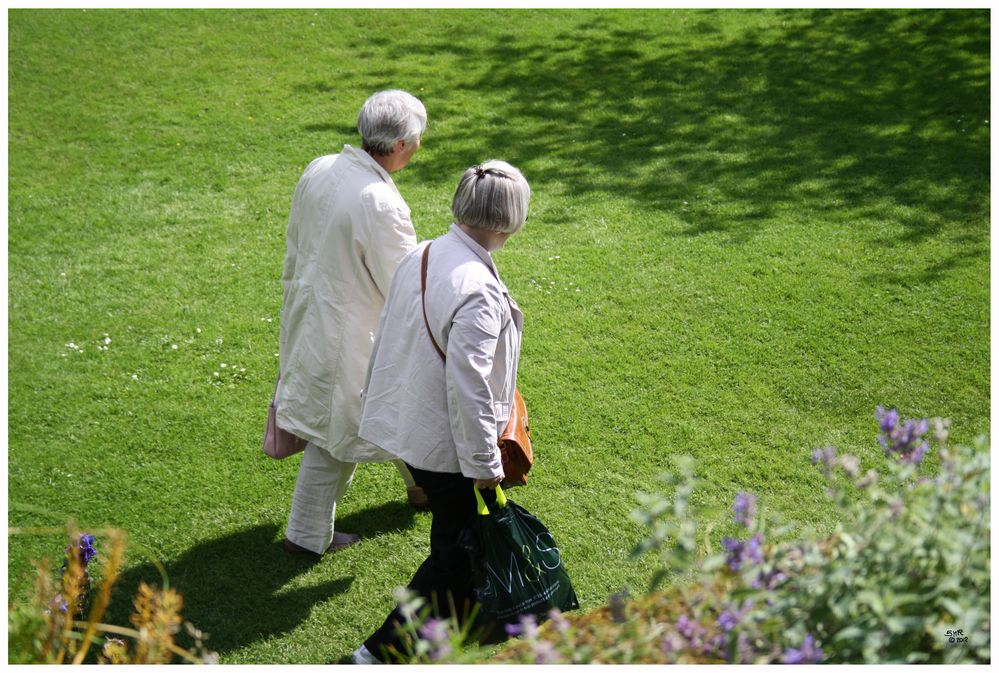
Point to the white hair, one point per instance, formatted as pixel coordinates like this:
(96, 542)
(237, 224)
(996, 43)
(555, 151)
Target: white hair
(388, 117)
(494, 196)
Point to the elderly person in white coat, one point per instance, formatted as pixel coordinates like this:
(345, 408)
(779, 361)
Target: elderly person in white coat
(441, 412)
(349, 228)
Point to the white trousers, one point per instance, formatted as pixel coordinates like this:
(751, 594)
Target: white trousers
(322, 481)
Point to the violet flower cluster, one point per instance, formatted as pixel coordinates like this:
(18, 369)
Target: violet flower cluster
(526, 626)
(750, 552)
(83, 547)
(690, 635)
(739, 554)
(808, 653)
(544, 651)
(744, 508)
(435, 632)
(903, 439)
(732, 616)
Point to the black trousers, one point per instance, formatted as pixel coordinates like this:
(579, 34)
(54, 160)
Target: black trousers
(445, 578)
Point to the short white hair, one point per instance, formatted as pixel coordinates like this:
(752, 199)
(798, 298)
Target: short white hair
(388, 117)
(493, 196)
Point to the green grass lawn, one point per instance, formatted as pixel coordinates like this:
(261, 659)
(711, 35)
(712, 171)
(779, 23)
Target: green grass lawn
(748, 229)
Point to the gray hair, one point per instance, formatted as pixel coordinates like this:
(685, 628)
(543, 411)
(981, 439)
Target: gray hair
(494, 196)
(388, 117)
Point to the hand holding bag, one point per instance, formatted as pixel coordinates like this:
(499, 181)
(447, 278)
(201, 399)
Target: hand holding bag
(514, 442)
(517, 568)
(279, 443)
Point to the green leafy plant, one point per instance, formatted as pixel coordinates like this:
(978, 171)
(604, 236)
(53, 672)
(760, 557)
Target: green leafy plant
(905, 578)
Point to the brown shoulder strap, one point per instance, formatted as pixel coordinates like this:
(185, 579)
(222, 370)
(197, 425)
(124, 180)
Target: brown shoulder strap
(423, 300)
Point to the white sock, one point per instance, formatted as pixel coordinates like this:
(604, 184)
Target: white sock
(362, 656)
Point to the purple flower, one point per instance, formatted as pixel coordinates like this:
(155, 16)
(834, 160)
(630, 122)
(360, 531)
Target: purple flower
(713, 646)
(83, 547)
(914, 428)
(435, 632)
(769, 580)
(826, 456)
(87, 547)
(809, 653)
(728, 620)
(690, 629)
(744, 508)
(739, 553)
(732, 616)
(887, 420)
(916, 455)
(734, 549)
(527, 627)
(903, 441)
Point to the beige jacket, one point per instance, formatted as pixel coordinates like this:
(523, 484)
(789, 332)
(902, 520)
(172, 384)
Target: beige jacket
(349, 228)
(437, 417)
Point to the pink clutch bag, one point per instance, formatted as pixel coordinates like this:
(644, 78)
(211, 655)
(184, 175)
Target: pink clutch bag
(279, 443)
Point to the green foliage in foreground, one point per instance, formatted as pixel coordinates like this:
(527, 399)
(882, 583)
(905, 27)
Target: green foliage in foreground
(748, 229)
(62, 621)
(905, 579)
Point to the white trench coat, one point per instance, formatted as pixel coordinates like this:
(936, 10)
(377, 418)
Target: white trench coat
(349, 228)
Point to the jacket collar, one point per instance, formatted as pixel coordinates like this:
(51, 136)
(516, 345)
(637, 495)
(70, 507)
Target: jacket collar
(364, 159)
(481, 252)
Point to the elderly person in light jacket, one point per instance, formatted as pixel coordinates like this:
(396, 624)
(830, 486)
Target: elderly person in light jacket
(441, 384)
(349, 228)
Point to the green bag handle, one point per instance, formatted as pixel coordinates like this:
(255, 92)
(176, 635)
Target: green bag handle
(500, 500)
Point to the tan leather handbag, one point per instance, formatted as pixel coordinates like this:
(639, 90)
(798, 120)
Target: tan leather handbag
(515, 440)
(515, 444)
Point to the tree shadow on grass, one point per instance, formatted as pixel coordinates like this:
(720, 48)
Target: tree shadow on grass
(233, 588)
(344, 130)
(858, 116)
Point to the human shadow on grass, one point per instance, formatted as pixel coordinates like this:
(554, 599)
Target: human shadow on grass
(233, 588)
(389, 517)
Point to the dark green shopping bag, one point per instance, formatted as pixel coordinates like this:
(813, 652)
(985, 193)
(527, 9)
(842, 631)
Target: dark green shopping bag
(516, 566)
